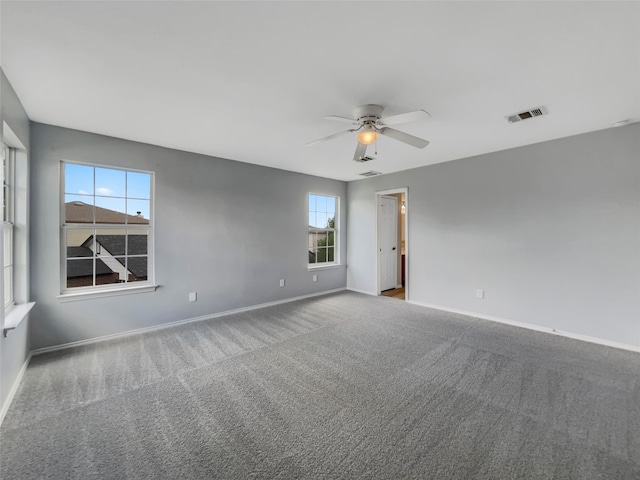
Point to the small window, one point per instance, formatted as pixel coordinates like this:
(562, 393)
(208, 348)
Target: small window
(107, 227)
(8, 201)
(323, 229)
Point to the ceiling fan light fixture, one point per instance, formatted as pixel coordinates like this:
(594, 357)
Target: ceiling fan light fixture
(367, 137)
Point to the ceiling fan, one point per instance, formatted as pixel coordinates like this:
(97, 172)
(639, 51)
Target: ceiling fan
(370, 123)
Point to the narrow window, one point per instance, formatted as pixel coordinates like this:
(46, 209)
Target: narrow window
(323, 229)
(8, 202)
(107, 227)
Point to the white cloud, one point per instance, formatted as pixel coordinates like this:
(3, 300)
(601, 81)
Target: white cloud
(104, 191)
(83, 192)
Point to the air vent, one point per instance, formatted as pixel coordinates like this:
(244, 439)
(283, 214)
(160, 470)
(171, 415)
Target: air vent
(534, 112)
(370, 173)
(364, 159)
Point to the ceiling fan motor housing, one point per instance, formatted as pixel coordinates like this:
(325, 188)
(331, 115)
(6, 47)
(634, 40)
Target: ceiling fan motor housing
(368, 114)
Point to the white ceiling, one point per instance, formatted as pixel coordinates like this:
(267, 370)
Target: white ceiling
(251, 81)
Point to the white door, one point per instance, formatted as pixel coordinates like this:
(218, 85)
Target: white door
(388, 242)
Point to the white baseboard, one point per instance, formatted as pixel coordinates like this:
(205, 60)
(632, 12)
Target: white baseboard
(139, 331)
(530, 326)
(361, 291)
(14, 388)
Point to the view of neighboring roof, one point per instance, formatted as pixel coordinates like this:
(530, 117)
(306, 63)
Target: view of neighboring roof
(84, 268)
(80, 212)
(136, 245)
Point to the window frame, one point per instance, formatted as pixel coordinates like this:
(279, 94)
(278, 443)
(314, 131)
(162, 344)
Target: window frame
(109, 289)
(8, 220)
(335, 230)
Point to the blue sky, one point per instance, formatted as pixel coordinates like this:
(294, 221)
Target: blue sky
(118, 190)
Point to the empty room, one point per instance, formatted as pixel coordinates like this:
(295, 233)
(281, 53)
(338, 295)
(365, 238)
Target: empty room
(320, 240)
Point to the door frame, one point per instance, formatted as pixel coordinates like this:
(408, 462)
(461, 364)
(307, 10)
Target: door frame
(376, 262)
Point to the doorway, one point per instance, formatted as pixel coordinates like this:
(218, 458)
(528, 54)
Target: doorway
(391, 243)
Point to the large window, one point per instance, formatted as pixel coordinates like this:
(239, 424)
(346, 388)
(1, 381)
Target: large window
(8, 202)
(323, 229)
(107, 227)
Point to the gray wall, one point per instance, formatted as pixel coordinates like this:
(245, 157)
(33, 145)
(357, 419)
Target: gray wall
(550, 231)
(225, 229)
(15, 348)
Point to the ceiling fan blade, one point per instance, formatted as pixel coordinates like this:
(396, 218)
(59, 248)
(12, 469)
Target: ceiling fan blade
(406, 117)
(361, 149)
(339, 134)
(338, 118)
(404, 137)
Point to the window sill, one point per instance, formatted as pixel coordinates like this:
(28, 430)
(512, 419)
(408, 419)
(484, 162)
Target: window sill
(17, 314)
(77, 296)
(324, 267)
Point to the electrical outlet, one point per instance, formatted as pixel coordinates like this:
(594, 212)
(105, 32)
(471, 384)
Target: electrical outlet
(479, 293)
(315, 278)
(193, 296)
(282, 282)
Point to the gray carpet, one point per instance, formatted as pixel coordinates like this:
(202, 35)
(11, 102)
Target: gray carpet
(343, 386)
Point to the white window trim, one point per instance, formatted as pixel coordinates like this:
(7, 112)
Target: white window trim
(75, 295)
(107, 290)
(13, 318)
(336, 236)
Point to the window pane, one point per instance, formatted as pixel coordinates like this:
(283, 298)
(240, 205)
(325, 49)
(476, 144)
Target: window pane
(312, 203)
(78, 179)
(139, 185)
(110, 210)
(330, 252)
(111, 242)
(321, 256)
(120, 266)
(137, 244)
(140, 209)
(79, 242)
(137, 267)
(321, 203)
(321, 219)
(78, 209)
(79, 272)
(110, 182)
(312, 242)
(330, 239)
(331, 206)
(108, 270)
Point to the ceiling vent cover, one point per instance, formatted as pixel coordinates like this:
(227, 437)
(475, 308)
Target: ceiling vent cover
(370, 173)
(534, 112)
